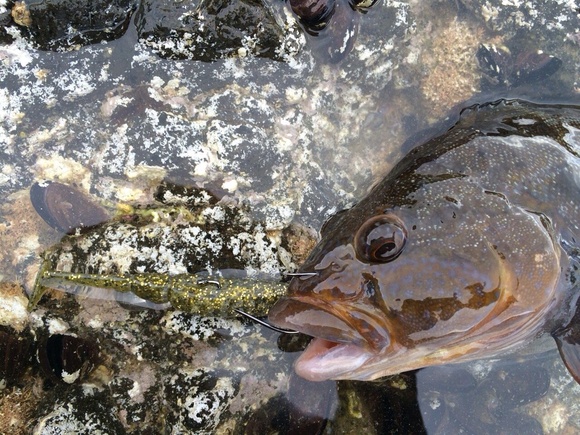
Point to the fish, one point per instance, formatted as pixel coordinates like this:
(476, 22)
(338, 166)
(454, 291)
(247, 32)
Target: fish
(466, 249)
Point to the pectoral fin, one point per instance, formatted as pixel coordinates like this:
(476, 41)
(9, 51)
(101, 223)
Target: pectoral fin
(568, 341)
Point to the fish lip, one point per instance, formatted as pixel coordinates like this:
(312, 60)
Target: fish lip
(293, 313)
(324, 359)
(337, 350)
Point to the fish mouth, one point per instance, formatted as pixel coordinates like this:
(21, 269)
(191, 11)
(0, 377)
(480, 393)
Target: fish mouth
(337, 349)
(324, 359)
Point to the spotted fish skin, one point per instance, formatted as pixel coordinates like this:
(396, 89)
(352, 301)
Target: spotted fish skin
(467, 249)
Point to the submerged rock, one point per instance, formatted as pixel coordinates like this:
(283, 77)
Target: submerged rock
(193, 29)
(66, 24)
(210, 30)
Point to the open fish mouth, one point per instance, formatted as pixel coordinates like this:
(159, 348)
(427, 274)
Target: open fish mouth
(324, 359)
(338, 348)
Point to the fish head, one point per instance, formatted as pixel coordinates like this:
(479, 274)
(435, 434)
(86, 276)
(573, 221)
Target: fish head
(441, 279)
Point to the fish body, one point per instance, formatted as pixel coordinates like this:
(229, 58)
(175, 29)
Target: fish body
(467, 249)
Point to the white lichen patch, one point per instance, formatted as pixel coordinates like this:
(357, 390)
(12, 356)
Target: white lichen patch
(199, 328)
(58, 168)
(13, 305)
(76, 82)
(65, 418)
(559, 410)
(57, 326)
(200, 408)
(554, 421)
(70, 378)
(26, 247)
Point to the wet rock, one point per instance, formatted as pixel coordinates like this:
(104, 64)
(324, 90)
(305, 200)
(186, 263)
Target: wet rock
(77, 411)
(133, 411)
(293, 342)
(503, 16)
(388, 405)
(68, 358)
(453, 379)
(15, 355)
(211, 30)
(270, 417)
(312, 405)
(197, 398)
(5, 21)
(512, 387)
(208, 329)
(188, 235)
(502, 69)
(66, 24)
(391, 21)
(306, 408)
(264, 128)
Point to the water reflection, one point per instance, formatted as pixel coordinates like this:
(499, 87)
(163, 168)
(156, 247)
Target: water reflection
(305, 409)
(453, 401)
(476, 398)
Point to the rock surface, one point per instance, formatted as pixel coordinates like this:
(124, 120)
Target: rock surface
(296, 138)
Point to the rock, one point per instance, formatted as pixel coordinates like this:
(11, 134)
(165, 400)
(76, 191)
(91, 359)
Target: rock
(210, 30)
(66, 24)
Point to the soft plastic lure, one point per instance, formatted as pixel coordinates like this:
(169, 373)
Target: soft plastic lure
(221, 258)
(203, 294)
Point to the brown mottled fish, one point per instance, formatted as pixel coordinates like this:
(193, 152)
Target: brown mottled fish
(467, 249)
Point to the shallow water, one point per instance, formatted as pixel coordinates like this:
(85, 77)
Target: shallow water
(295, 140)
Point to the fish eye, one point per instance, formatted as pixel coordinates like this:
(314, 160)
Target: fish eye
(381, 239)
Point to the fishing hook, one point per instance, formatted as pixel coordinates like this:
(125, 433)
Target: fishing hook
(266, 324)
